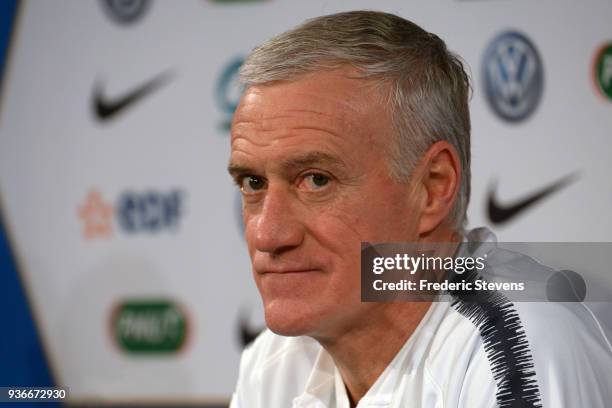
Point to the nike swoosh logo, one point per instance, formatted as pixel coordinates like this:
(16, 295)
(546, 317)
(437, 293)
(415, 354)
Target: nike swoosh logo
(499, 214)
(246, 333)
(106, 108)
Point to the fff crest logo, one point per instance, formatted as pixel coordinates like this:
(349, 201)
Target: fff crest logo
(228, 91)
(133, 212)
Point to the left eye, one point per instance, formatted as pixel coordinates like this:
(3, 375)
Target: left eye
(315, 181)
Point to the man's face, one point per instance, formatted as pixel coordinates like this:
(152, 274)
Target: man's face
(311, 158)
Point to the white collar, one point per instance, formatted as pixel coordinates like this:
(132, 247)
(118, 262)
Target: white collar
(325, 387)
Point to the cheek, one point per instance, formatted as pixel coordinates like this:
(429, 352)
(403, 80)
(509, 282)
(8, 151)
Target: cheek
(338, 244)
(338, 236)
(358, 221)
(249, 232)
(382, 216)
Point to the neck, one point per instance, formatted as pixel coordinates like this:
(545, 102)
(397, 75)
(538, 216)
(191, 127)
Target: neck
(361, 353)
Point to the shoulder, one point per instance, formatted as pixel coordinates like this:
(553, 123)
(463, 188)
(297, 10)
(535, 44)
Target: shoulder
(566, 335)
(553, 353)
(566, 341)
(571, 353)
(550, 353)
(563, 325)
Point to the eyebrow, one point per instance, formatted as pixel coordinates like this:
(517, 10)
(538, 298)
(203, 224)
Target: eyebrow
(298, 161)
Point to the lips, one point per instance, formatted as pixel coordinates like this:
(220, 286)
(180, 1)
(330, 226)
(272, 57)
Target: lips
(289, 278)
(267, 265)
(290, 283)
(285, 271)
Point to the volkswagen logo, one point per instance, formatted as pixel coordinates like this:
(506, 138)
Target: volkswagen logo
(513, 76)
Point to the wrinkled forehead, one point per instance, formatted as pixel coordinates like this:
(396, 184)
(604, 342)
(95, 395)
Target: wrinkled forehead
(334, 99)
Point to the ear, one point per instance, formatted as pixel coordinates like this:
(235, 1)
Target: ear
(440, 178)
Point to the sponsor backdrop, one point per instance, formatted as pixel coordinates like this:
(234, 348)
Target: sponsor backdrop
(125, 226)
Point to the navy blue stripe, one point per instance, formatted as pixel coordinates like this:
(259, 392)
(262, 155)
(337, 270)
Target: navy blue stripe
(21, 354)
(504, 341)
(8, 10)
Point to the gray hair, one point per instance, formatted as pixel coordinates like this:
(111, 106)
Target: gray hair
(427, 88)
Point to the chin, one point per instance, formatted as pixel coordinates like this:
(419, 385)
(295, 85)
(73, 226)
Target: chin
(289, 319)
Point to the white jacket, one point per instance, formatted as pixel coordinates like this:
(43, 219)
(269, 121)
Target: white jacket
(531, 355)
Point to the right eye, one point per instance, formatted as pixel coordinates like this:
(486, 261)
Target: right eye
(252, 184)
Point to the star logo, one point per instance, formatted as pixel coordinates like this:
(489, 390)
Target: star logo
(97, 216)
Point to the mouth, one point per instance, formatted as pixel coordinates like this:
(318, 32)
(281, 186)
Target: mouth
(287, 272)
(290, 283)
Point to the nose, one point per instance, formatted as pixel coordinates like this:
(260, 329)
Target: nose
(277, 225)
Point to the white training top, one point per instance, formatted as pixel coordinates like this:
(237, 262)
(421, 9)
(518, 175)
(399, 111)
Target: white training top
(462, 354)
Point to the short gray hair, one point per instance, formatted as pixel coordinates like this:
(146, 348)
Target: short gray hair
(427, 88)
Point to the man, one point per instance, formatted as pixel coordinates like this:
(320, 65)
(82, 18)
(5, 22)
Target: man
(354, 127)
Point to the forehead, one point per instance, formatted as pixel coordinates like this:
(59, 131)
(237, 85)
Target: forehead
(332, 102)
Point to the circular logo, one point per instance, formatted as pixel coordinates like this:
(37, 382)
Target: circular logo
(126, 11)
(602, 70)
(229, 90)
(513, 76)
